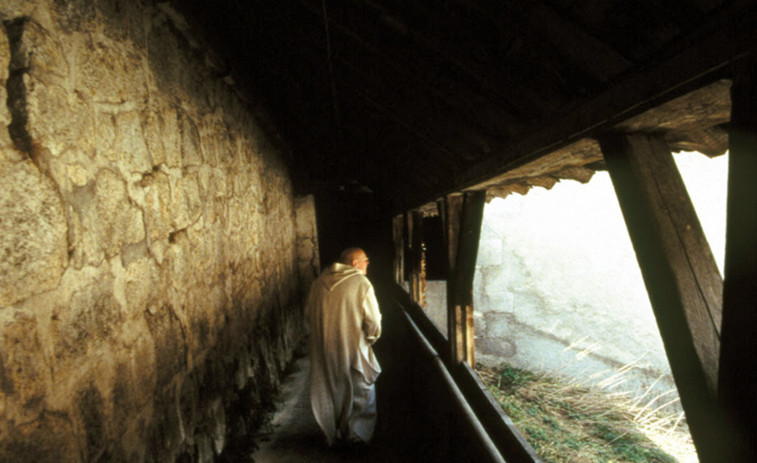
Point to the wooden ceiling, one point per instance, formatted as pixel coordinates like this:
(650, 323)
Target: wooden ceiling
(414, 100)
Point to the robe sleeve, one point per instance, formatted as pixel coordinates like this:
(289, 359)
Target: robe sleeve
(371, 316)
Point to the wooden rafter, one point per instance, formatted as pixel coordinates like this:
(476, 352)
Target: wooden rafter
(462, 217)
(680, 274)
(738, 368)
(696, 61)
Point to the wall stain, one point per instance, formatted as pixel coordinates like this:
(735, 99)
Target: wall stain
(17, 105)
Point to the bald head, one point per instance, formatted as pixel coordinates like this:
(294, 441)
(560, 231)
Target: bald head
(355, 257)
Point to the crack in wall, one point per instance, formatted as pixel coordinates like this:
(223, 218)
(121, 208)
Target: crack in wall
(16, 89)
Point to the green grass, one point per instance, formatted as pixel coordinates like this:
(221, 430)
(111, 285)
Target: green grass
(567, 422)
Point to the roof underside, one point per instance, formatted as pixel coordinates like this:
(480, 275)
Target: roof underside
(415, 100)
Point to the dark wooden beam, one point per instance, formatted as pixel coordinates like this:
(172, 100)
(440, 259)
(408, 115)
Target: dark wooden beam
(676, 228)
(470, 234)
(452, 212)
(369, 35)
(694, 61)
(407, 223)
(398, 237)
(679, 273)
(453, 50)
(576, 52)
(417, 282)
(738, 357)
(462, 222)
(453, 128)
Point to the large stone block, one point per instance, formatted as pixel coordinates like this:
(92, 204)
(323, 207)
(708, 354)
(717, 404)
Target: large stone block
(191, 147)
(169, 338)
(185, 201)
(90, 317)
(157, 206)
(131, 153)
(33, 230)
(24, 372)
(5, 115)
(107, 219)
(161, 129)
(499, 325)
(48, 440)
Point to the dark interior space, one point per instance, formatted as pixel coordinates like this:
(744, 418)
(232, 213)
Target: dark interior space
(176, 173)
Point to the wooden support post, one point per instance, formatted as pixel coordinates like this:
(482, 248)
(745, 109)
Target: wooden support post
(680, 275)
(738, 367)
(462, 219)
(452, 211)
(408, 233)
(416, 279)
(398, 238)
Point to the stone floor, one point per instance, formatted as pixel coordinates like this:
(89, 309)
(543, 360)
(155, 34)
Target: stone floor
(293, 435)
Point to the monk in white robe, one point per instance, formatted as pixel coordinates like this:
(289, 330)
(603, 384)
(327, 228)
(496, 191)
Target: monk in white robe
(344, 323)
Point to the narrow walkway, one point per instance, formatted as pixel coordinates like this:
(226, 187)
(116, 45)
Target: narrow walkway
(293, 435)
(413, 426)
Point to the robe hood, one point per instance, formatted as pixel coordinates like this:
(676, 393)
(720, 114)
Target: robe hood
(338, 273)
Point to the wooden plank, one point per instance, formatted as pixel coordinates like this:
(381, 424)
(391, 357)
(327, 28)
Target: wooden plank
(688, 256)
(408, 232)
(470, 232)
(648, 189)
(465, 266)
(453, 206)
(738, 369)
(729, 37)
(459, 338)
(469, 334)
(416, 281)
(367, 37)
(398, 238)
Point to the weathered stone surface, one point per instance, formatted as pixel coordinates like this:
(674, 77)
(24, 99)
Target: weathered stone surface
(493, 256)
(157, 188)
(5, 115)
(498, 325)
(106, 218)
(161, 130)
(24, 375)
(149, 295)
(32, 233)
(499, 347)
(130, 148)
(308, 260)
(50, 439)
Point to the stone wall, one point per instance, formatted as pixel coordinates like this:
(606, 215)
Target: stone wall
(558, 289)
(308, 259)
(148, 279)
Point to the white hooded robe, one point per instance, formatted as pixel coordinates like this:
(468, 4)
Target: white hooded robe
(344, 322)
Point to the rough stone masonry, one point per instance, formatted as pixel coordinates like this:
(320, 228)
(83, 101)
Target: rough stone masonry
(148, 278)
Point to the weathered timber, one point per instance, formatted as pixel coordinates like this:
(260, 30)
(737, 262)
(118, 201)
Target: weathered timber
(461, 281)
(690, 122)
(399, 248)
(417, 282)
(698, 283)
(680, 281)
(407, 223)
(451, 213)
(697, 61)
(505, 435)
(595, 60)
(367, 39)
(738, 367)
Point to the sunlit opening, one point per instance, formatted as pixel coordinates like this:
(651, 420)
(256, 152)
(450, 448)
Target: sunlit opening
(558, 291)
